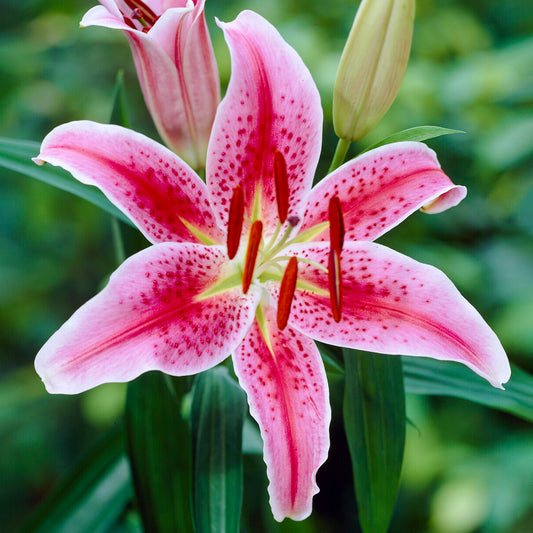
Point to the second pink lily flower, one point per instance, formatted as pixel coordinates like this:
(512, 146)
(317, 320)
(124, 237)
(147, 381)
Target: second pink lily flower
(175, 64)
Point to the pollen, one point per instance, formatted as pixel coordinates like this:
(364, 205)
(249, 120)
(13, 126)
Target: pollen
(254, 240)
(282, 185)
(286, 292)
(336, 224)
(236, 217)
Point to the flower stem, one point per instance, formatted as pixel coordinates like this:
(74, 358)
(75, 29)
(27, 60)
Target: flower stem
(340, 154)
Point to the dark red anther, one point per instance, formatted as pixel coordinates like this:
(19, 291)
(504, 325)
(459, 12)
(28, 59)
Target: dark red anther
(286, 292)
(129, 22)
(335, 284)
(336, 224)
(282, 185)
(236, 217)
(254, 240)
(146, 13)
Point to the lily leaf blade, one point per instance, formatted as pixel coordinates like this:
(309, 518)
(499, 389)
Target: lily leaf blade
(217, 418)
(418, 133)
(92, 497)
(374, 421)
(158, 442)
(16, 155)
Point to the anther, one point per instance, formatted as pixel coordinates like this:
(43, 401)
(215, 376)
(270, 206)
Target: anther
(146, 13)
(286, 292)
(335, 284)
(251, 254)
(336, 224)
(282, 185)
(236, 217)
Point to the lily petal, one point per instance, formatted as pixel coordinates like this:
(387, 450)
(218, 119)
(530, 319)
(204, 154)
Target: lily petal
(150, 316)
(394, 304)
(382, 187)
(287, 390)
(264, 110)
(149, 183)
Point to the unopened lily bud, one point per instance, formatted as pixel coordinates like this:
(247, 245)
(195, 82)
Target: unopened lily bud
(372, 65)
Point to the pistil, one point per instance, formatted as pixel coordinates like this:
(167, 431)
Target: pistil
(235, 221)
(286, 292)
(251, 254)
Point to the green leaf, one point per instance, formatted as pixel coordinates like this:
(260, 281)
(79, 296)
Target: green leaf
(374, 421)
(158, 442)
(119, 114)
(16, 155)
(92, 497)
(427, 376)
(217, 418)
(420, 133)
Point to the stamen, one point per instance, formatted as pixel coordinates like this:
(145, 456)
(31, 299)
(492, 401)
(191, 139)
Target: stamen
(335, 284)
(251, 254)
(147, 13)
(282, 185)
(136, 14)
(129, 22)
(336, 224)
(286, 292)
(236, 217)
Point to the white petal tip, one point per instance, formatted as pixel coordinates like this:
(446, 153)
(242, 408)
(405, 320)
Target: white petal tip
(445, 200)
(38, 161)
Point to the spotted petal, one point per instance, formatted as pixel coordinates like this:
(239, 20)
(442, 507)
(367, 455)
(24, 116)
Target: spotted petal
(271, 104)
(151, 316)
(283, 376)
(145, 180)
(394, 304)
(380, 188)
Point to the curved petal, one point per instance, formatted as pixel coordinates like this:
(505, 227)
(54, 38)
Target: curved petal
(271, 104)
(382, 187)
(287, 390)
(182, 34)
(106, 17)
(394, 304)
(150, 316)
(149, 183)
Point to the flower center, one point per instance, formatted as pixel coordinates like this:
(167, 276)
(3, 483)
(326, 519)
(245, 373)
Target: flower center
(263, 259)
(141, 13)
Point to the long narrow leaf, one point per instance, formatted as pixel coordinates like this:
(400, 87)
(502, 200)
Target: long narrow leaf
(217, 418)
(374, 420)
(92, 497)
(16, 155)
(420, 133)
(427, 376)
(158, 442)
(443, 378)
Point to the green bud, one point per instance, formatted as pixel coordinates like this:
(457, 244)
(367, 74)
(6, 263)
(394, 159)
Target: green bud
(372, 65)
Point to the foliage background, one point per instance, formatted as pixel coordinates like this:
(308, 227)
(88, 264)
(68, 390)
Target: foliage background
(467, 468)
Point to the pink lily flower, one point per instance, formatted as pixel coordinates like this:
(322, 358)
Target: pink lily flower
(257, 264)
(175, 64)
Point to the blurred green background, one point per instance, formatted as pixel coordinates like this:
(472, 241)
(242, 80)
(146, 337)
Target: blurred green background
(467, 468)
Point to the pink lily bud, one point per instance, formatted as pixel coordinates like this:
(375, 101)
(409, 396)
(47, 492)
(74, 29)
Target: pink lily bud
(175, 64)
(372, 65)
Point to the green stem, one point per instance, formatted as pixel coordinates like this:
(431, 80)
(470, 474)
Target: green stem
(340, 154)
